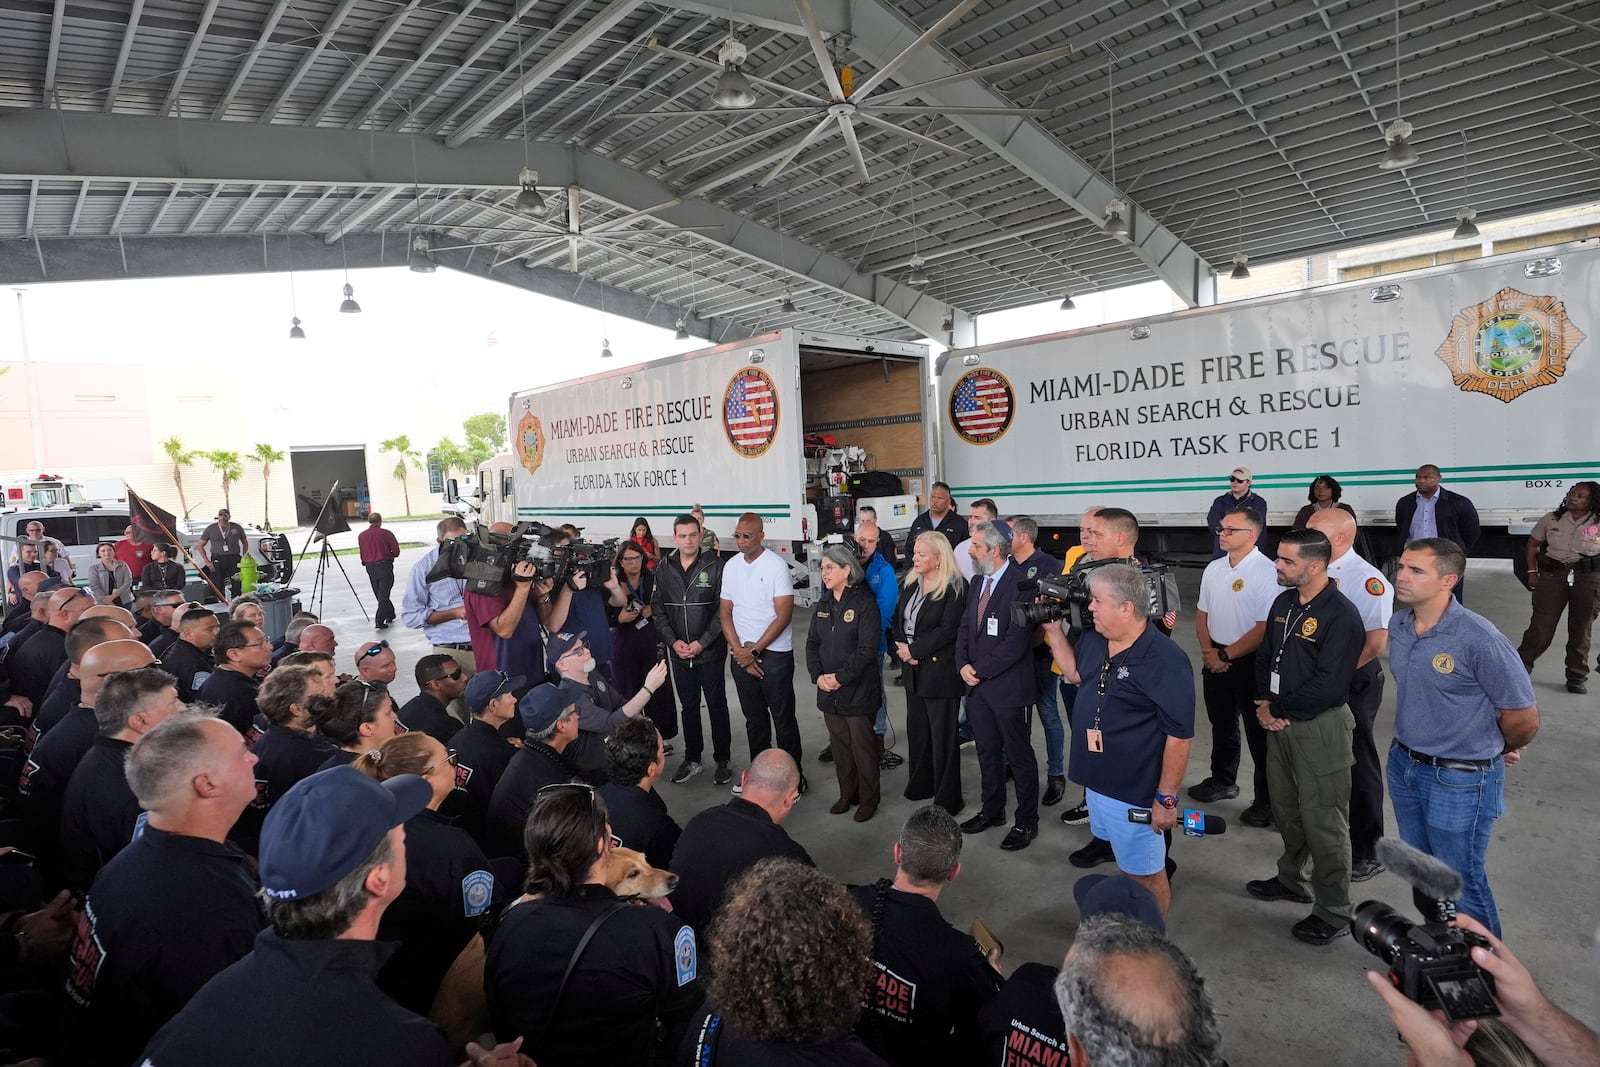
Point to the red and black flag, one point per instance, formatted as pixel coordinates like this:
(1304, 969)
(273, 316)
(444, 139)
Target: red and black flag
(151, 525)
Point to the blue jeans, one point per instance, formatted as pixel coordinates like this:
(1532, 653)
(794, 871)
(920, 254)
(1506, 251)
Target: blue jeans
(1450, 815)
(1055, 735)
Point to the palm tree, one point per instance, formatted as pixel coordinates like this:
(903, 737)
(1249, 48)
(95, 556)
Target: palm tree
(230, 466)
(180, 457)
(266, 455)
(401, 446)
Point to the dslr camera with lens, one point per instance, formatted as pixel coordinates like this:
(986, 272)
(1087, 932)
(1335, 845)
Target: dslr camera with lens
(1431, 961)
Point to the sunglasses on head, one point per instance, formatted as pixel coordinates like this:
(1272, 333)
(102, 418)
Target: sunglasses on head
(449, 758)
(374, 650)
(126, 670)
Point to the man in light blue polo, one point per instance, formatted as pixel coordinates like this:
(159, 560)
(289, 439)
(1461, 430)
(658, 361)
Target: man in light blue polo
(1463, 712)
(438, 609)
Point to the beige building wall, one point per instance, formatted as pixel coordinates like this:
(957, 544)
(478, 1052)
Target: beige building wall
(105, 422)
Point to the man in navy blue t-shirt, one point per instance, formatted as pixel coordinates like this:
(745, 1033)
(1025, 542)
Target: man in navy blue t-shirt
(1132, 722)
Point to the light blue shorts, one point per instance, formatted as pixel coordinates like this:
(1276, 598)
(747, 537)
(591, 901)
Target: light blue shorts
(1139, 849)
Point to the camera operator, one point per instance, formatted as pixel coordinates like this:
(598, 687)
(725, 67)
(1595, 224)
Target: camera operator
(1555, 1037)
(577, 607)
(1132, 724)
(1464, 708)
(437, 608)
(505, 627)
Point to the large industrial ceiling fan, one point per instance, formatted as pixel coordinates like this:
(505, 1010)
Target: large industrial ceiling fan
(848, 103)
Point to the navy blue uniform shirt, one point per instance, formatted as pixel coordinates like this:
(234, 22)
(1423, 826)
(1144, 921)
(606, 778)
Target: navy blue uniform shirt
(235, 694)
(1149, 697)
(165, 915)
(717, 846)
(639, 821)
(99, 812)
(424, 712)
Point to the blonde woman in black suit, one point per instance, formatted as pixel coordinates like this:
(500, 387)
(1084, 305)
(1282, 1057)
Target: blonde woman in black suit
(924, 635)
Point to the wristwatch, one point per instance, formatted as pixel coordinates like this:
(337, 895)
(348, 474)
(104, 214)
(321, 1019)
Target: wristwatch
(1166, 801)
(1222, 654)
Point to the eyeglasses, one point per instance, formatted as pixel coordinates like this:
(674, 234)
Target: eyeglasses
(1230, 529)
(573, 651)
(1239, 481)
(263, 643)
(129, 670)
(449, 759)
(375, 650)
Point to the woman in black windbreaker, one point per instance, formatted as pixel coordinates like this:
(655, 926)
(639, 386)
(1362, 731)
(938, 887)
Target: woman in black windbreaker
(842, 653)
(923, 635)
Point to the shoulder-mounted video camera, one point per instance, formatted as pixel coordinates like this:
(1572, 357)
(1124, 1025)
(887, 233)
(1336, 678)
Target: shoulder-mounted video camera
(484, 559)
(1066, 596)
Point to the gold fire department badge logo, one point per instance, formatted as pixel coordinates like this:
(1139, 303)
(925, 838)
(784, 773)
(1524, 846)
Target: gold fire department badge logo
(1509, 344)
(530, 441)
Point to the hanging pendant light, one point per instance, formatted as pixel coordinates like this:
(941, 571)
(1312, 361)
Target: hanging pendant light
(1116, 211)
(1240, 271)
(1465, 230)
(787, 307)
(605, 349)
(1399, 154)
(949, 322)
(683, 330)
(733, 90)
(295, 332)
(349, 305)
(421, 260)
(917, 278)
(1066, 302)
(529, 201)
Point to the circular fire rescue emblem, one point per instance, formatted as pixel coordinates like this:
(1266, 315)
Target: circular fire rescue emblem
(981, 406)
(530, 441)
(750, 412)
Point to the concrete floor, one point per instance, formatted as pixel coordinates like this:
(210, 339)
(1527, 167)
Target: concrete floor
(1279, 1001)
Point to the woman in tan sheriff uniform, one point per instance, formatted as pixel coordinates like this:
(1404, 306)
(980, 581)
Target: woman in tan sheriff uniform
(1564, 574)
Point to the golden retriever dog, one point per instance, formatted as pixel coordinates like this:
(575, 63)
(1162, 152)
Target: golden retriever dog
(459, 1008)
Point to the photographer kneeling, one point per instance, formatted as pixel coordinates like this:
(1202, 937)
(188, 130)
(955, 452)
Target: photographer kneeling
(1555, 1037)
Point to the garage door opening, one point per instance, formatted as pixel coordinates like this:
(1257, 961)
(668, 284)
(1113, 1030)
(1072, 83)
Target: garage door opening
(317, 468)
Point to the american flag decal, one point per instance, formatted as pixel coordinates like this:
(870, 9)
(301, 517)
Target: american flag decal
(750, 412)
(981, 406)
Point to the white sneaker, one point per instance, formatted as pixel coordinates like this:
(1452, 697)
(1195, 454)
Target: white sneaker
(738, 788)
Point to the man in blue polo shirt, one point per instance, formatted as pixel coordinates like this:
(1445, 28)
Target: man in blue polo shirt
(1132, 722)
(1463, 711)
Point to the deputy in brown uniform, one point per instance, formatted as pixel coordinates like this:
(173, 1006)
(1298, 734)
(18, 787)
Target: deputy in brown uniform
(1564, 574)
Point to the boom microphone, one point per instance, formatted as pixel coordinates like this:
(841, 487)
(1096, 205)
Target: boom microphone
(1428, 876)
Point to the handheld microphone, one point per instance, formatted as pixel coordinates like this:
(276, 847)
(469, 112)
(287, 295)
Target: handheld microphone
(1196, 823)
(1434, 884)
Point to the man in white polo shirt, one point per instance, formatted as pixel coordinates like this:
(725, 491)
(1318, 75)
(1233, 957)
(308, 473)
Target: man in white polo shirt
(757, 608)
(1236, 591)
(1363, 585)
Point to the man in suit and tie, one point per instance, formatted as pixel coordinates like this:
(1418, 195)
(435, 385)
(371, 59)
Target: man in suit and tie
(997, 667)
(1433, 511)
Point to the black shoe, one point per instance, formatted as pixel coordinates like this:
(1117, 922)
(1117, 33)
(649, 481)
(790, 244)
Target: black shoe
(380, 626)
(1172, 870)
(1055, 789)
(805, 786)
(979, 823)
(723, 774)
(1019, 839)
(1315, 930)
(1259, 815)
(963, 736)
(1093, 854)
(1364, 869)
(1211, 790)
(1273, 889)
(826, 755)
(1076, 816)
(1577, 687)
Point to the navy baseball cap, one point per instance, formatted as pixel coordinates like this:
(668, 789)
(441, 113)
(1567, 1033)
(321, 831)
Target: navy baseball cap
(327, 824)
(486, 685)
(1117, 894)
(541, 706)
(561, 644)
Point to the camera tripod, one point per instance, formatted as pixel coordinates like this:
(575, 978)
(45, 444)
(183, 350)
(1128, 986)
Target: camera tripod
(319, 585)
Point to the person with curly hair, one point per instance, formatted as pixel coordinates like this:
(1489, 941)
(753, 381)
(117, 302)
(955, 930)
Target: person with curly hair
(358, 718)
(1323, 495)
(790, 956)
(584, 976)
(1564, 574)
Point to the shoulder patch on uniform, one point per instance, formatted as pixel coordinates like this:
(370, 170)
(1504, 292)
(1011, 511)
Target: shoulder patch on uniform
(139, 824)
(1375, 586)
(684, 956)
(200, 678)
(477, 889)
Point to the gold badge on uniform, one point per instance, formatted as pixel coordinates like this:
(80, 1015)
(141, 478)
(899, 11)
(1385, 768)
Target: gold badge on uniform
(1238, 585)
(1509, 344)
(1444, 663)
(1308, 627)
(850, 615)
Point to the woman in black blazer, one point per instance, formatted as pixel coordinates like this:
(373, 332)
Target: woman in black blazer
(924, 635)
(842, 655)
